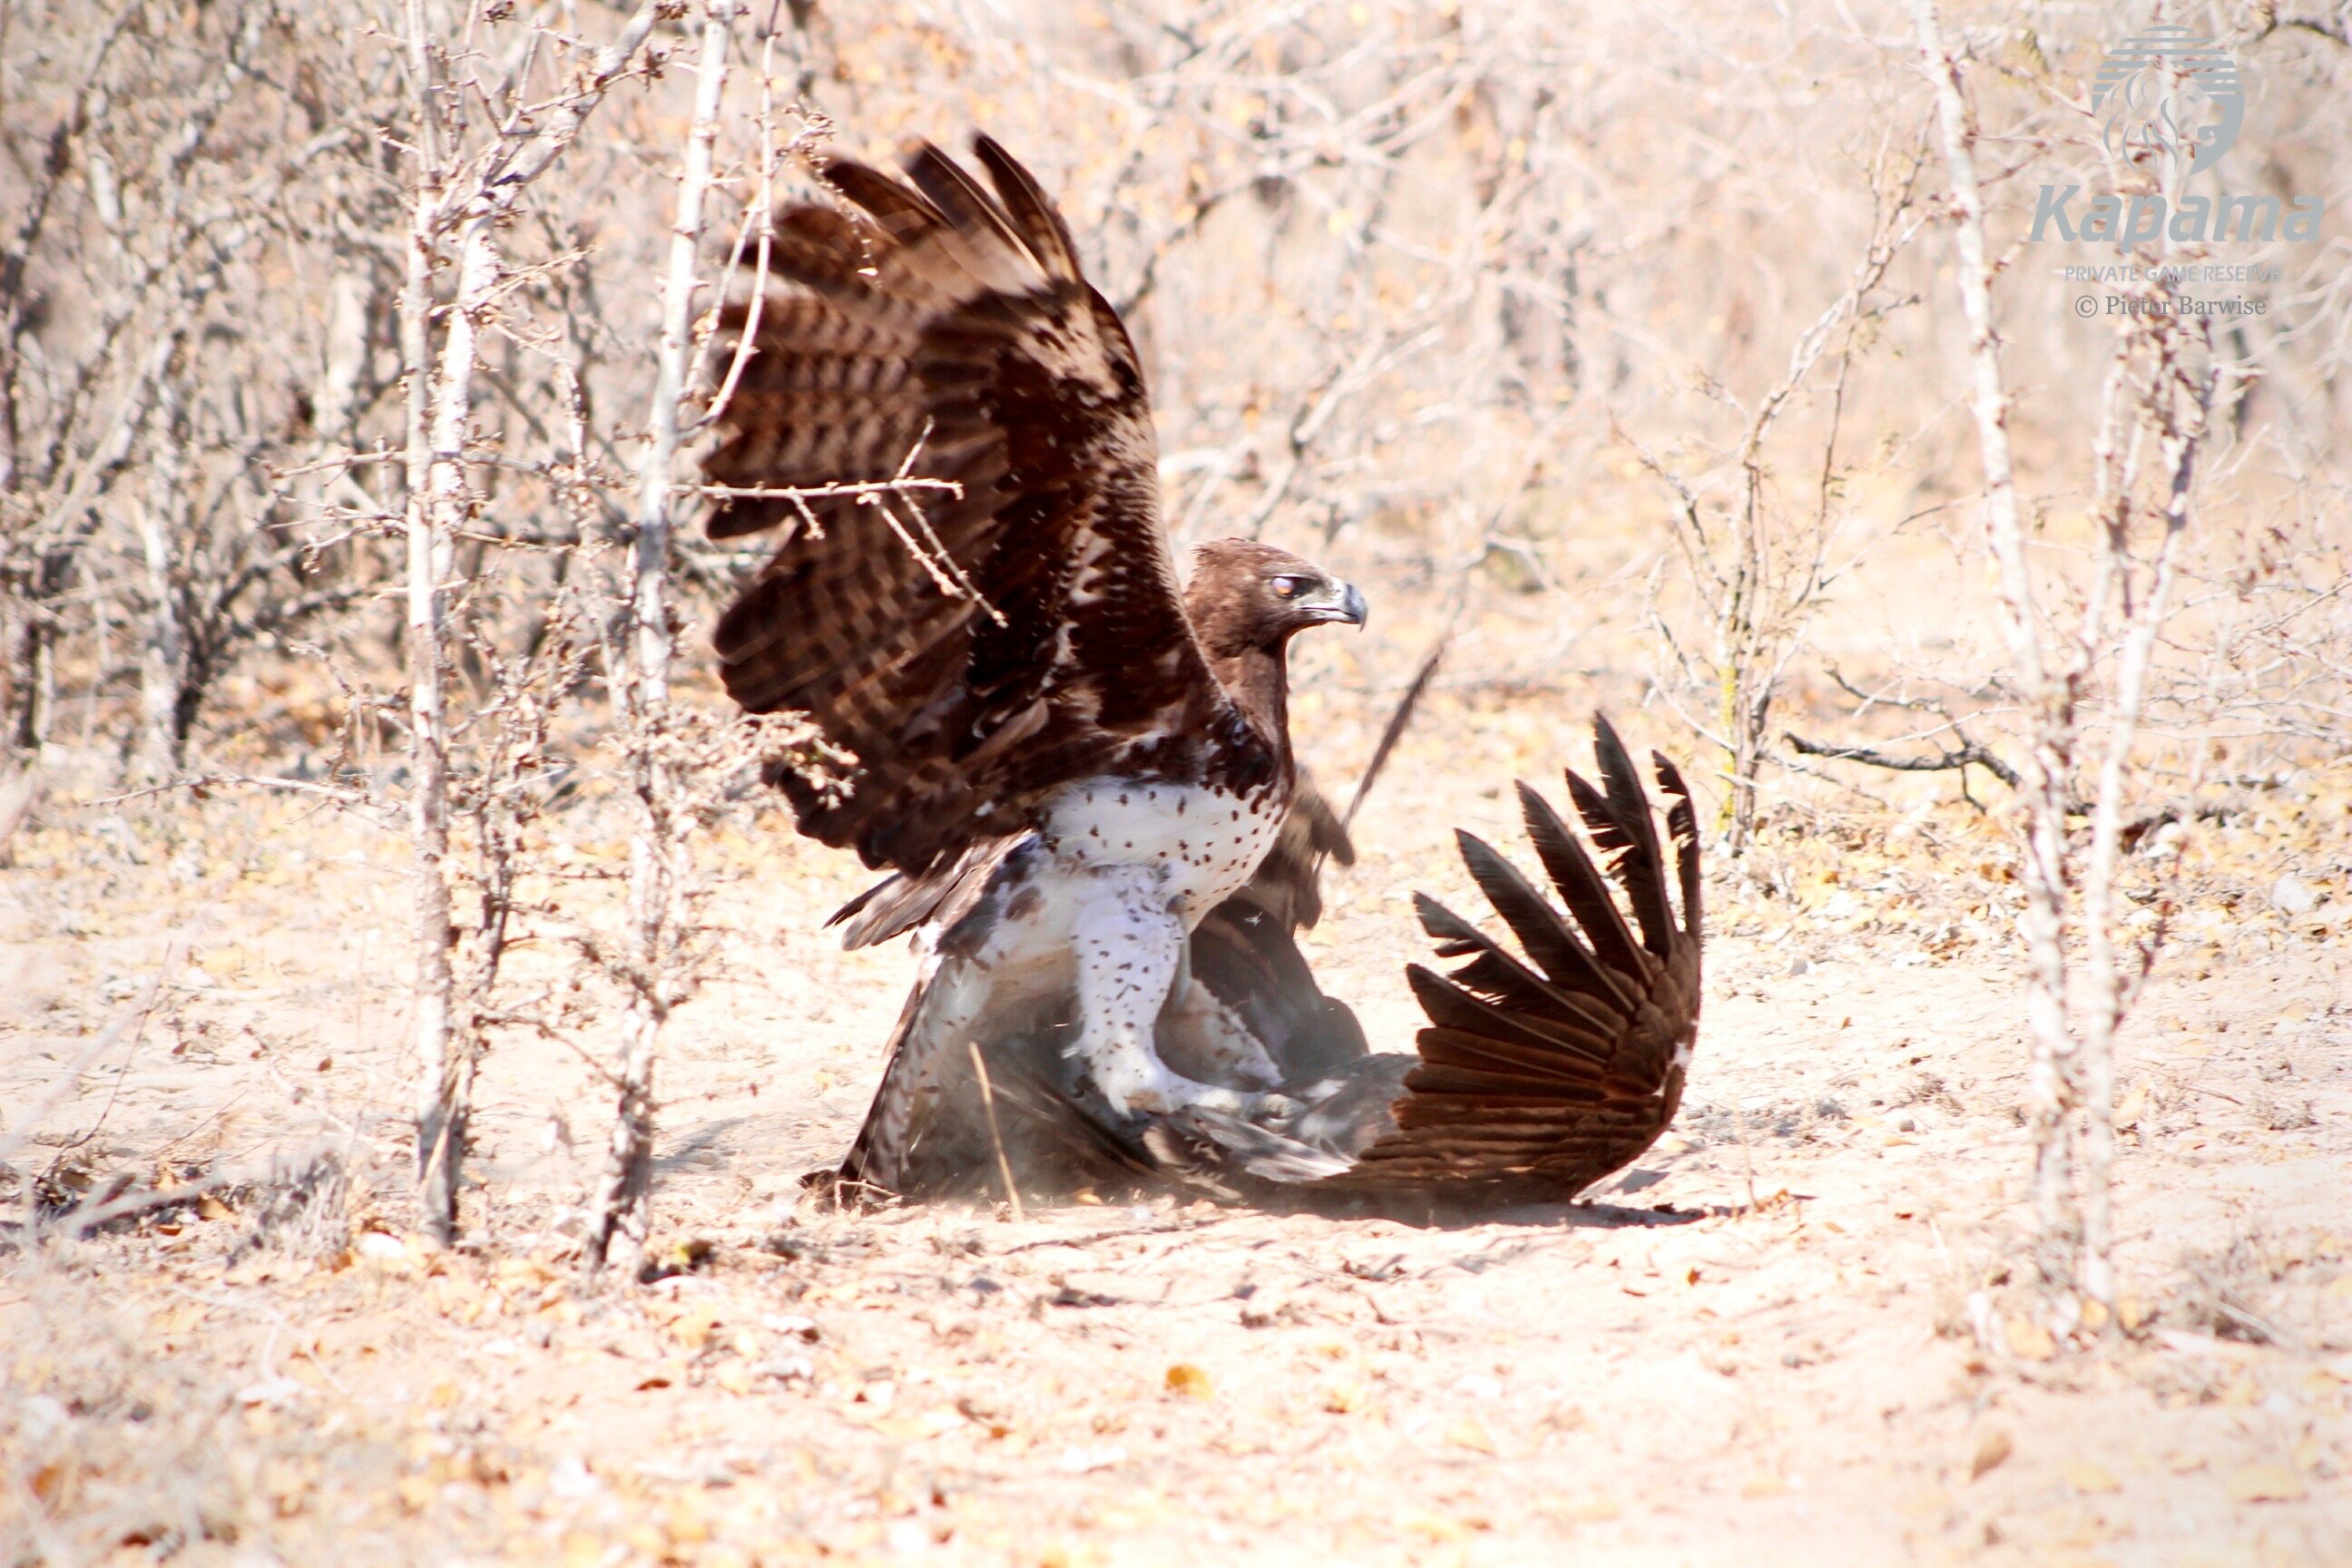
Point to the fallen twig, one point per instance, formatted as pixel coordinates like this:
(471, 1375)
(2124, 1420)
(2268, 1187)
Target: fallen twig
(83, 1219)
(995, 1138)
(202, 781)
(1942, 762)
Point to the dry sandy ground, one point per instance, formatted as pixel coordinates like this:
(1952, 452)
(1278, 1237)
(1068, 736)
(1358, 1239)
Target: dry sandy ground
(1796, 1332)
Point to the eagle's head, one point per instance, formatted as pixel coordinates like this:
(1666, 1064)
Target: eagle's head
(1245, 595)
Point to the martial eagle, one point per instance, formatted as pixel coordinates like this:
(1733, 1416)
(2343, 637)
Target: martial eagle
(1080, 774)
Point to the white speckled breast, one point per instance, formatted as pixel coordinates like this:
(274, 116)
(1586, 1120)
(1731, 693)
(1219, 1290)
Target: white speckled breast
(1208, 842)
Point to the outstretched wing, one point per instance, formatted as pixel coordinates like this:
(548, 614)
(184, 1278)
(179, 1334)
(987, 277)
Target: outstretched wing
(1012, 619)
(1540, 1070)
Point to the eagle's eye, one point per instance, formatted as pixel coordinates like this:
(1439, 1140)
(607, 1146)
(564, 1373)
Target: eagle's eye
(1289, 588)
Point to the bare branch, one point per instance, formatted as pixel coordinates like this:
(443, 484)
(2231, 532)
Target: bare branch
(1965, 756)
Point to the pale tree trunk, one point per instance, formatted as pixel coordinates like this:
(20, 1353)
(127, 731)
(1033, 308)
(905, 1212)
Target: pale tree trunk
(164, 650)
(28, 684)
(2042, 778)
(441, 1104)
(623, 1213)
(445, 1049)
(2114, 981)
(2071, 1080)
(446, 1055)
(439, 412)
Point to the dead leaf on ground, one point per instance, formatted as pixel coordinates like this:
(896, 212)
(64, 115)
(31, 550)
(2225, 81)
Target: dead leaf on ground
(49, 1484)
(2029, 1341)
(692, 1327)
(2266, 1483)
(1995, 1448)
(1467, 1434)
(2087, 1477)
(1186, 1379)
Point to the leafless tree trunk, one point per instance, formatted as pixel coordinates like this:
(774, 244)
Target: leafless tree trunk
(2042, 775)
(441, 1080)
(164, 656)
(2071, 1079)
(623, 1209)
(28, 683)
(439, 412)
(2177, 401)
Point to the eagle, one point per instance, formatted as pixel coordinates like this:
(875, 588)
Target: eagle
(1066, 758)
(1078, 770)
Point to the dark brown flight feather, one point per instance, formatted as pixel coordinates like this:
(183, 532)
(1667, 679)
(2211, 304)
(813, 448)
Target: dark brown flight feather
(1536, 1077)
(971, 651)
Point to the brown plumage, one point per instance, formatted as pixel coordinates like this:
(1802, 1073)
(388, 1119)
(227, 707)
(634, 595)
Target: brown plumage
(971, 651)
(1536, 1075)
(1067, 762)
(1082, 778)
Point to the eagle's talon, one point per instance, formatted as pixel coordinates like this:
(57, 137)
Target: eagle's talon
(1246, 1105)
(1171, 1095)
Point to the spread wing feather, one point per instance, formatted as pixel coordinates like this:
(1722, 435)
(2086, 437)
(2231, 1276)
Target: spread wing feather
(1535, 1076)
(1580, 884)
(1619, 820)
(1538, 1078)
(977, 643)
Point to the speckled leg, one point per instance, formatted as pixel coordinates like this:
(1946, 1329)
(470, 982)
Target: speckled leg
(1129, 944)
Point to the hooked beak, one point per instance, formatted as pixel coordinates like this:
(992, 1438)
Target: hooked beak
(1343, 603)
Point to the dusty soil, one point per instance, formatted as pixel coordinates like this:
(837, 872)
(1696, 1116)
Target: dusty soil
(1798, 1332)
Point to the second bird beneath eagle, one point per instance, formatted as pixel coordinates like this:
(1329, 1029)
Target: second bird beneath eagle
(1080, 774)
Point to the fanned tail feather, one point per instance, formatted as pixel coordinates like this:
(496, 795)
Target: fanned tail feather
(1538, 1078)
(1618, 821)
